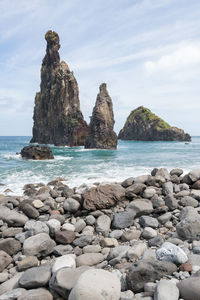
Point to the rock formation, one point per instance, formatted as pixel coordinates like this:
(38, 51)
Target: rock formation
(57, 116)
(101, 133)
(36, 152)
(143, 125)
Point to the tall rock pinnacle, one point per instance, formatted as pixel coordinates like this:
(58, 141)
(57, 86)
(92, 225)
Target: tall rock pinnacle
(101, 133)
(57, 116)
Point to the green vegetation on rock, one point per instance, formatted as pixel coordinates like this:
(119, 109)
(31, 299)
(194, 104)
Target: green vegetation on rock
(148, 117)
(143, 125)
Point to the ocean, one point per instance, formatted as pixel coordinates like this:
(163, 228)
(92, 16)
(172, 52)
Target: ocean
(79, 165)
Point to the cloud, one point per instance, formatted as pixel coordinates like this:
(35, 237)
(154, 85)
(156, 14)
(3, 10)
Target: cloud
(186, 57)
(146, 50)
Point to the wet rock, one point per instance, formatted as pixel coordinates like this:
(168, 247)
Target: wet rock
(101, 133)
(36, 152)
(96, 284)
(103, 196)
(38, 245)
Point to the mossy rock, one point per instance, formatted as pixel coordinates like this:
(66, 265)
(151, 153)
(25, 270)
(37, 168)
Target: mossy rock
(147, 116)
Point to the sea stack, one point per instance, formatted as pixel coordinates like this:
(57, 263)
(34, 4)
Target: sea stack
(57, 116)
(143, 125)
(101, 133)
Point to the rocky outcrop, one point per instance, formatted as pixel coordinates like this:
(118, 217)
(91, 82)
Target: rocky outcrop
(101, 133)
(143, 125)
(57, 116)
(36, 152)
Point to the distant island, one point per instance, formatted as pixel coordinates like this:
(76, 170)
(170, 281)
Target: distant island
(143, 125)
(58, 118)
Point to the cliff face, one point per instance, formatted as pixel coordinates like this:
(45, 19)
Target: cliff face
(101, 133)
(143, 125)
(57, 116)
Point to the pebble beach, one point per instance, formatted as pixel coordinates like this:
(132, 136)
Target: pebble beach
(136, 239)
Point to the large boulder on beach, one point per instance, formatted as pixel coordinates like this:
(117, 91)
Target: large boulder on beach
(103, 196)
(12, 217)
(189, 225)
(143, 125)
(36, 152)
(147, 270)
(57, 116)
(39, 245)
(101, 133)
(96, 284)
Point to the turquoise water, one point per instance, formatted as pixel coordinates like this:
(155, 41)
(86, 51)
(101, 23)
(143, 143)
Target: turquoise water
(79, 165)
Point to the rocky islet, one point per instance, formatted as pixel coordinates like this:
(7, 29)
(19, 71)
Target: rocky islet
(130, 247)
(143, 125)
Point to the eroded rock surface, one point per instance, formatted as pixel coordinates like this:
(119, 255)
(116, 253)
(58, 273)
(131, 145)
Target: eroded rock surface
(36, 152)
(101, 133)
(57, 116)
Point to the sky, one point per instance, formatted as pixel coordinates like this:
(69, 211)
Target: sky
(147, 51)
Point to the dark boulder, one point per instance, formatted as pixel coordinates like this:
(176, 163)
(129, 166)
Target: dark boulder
(36, 152)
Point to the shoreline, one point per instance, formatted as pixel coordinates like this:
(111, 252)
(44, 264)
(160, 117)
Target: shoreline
(71, 181)
(149, 223)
